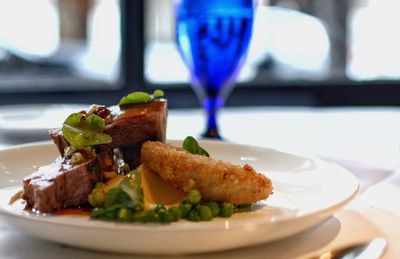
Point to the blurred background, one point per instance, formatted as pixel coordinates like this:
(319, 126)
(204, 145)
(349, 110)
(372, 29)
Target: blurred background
(303, 52)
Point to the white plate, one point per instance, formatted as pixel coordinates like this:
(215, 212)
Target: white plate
(306, 191)
(34, 120)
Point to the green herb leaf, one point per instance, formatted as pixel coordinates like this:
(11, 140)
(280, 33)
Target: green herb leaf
(117, 198)
(136, 97)
(82, 131)
(131, 185)
(190, 144)
(140, 97)
(158, 93)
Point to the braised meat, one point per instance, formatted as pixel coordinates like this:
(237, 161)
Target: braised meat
(61, 184)
(66, 184)
(129, 128)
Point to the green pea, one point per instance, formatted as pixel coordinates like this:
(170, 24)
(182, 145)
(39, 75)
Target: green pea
(227, 209)
(185, 208)
(91, 200)
(204, 212)
(99, 185)
(165, 216)
(151, 216)
(159, 207)
(215, 209)
(246, 206)
(124, 215)
(110, 213)
(97, 212)
(194, 196)
(98, 196)
(193, 215)
(138, 216)
(175, 213)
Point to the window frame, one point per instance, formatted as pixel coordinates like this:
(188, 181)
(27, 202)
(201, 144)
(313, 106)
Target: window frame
(294, 93)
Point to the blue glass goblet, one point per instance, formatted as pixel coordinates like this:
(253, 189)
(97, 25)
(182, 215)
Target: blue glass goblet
(213, 37)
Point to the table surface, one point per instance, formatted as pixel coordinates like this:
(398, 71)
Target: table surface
(365, 141)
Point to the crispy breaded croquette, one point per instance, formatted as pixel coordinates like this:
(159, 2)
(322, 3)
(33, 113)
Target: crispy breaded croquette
(216, 180)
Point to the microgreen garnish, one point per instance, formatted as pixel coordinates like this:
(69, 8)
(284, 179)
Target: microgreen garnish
(81, 131)
(140, 97)
(190, 144)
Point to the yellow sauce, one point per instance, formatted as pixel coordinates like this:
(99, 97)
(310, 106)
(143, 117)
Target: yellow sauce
(156, 190)
(113, 182)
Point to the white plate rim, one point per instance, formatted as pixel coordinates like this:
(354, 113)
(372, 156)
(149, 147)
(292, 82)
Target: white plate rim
(320, 214)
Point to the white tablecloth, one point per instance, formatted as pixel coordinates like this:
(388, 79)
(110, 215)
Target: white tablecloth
(366, 141)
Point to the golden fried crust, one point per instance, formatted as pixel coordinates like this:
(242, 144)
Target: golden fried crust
(216, 180)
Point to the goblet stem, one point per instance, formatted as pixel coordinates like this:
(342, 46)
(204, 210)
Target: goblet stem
(212, 106)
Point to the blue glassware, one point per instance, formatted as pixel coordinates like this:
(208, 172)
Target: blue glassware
(213, 37)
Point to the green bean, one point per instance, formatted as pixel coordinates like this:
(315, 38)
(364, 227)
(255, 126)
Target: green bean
(226, 209)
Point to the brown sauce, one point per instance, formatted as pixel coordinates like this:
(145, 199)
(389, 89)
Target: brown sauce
(80, 211)
(19, 203)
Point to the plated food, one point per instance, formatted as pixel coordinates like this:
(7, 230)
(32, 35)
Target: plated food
(114, 162)
(305, 193)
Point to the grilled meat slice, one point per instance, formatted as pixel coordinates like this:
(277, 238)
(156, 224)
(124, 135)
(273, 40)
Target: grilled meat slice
(61, 184)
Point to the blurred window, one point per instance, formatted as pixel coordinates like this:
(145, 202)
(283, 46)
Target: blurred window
(106, 48)
(294, 41)
(59, 44)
